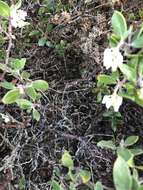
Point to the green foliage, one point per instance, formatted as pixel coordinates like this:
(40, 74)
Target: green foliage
(121, 175)
(131, 140)
(107, 144)
(119, 24)
(11, 96)
(98, 186)
(128, 82)
(4, 9)
(67, 160)
(40, 85)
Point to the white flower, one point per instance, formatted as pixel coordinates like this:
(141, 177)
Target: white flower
(112, 58)
(17, 18)
(112, 100)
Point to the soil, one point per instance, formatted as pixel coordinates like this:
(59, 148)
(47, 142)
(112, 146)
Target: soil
(71, 117)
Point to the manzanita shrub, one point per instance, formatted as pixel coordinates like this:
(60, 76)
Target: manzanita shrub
(21, 90)
(124, 60)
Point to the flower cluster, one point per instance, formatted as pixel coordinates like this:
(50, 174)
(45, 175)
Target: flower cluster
(112, 58)
(18, 18)
(113, 100)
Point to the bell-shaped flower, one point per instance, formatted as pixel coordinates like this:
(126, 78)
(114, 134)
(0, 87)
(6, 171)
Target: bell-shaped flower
(113, 100)
(112, 58)
(18, 18)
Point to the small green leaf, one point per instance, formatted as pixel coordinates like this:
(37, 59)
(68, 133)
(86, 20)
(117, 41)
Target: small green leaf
(129, 72)
(56, 186)
(131, 140)
(24, 104)
(98, 186)
(4, 9)
(36, 115)
(7, 85)
(67, 160)
(119, 24)
(138, 42)
(85, 176)
(34, 33)
(106, 79)
(136, 151)
(106, 144)
(18, 64)
(42, 41)
(122, 175)
(30, 91)
(40, 85)
(25, 75)
(11, 96)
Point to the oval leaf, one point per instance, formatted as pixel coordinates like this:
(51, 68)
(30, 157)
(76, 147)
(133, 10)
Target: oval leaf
(24, 104)
(18, 64)
(119, 24)
(4, 9)
(7, 85)
(11, 96)
(129, 72)
(131, 140)
(67, 160)
(138, 42)
(121, 175)
(106, 144)
(40, 85)
(98, 186)
(85, 176)
(36, 115)
(30, 91)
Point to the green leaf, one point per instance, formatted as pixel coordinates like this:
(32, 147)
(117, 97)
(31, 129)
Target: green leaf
(24, 104)
(135, 183)
(42, 41)
(131, 140)
(129, 72)
(124, 153)
(106, 79)
(121, 175)
(11, 96)
(85, 176)
(36, 115)
(7, 85)
(138, 42)
(98, 186)
(119, 24)
(136, 151)
(18, 64)
(25, 75)
(40, 85)
(34, 33)
(141, 187)
(106, 144)
(56, 186)
(4, 9)
(113, 40)
(66, 160)
(30, 91)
